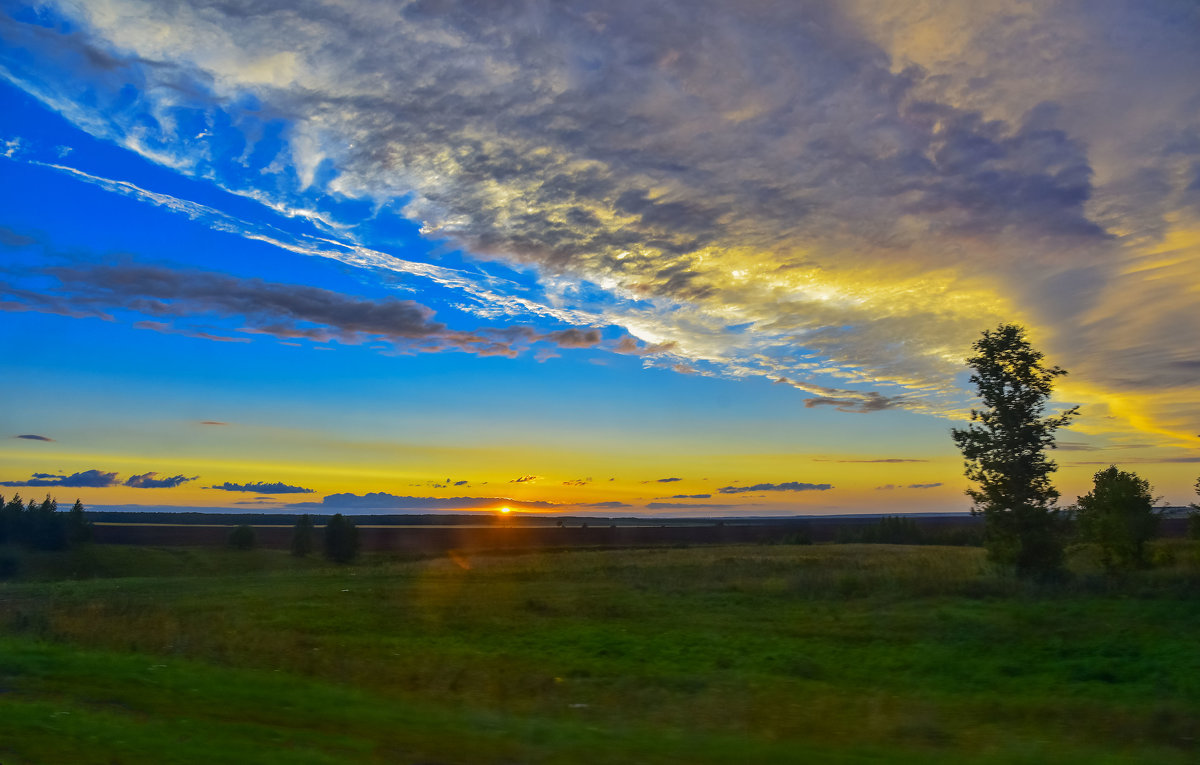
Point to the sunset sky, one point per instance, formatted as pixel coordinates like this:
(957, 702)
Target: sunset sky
(587, 257)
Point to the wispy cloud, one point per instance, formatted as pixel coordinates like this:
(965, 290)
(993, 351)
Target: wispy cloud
(842, 194)
(527, 478)
(789, 486)
(891, 486)
(33, 437)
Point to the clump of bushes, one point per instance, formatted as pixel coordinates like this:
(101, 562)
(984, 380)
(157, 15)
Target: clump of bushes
(242, 538)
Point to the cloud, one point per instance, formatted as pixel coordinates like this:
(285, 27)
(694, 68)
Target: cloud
(212, 422)
(92, 479)
(284, 311)
(891, 486)
(790, 486)
(148, 481)
(669, 480)
(889, 460)
(574, 338)
(613, 505)
(843, 193)
(527, 478)
(263, 488)
(577, 482)
(687, 496)
(32, 437)
(685, 506)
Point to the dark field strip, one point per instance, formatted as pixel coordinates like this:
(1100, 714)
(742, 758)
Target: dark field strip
(843, 653)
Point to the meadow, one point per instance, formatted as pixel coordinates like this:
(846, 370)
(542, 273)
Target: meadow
(839, 653)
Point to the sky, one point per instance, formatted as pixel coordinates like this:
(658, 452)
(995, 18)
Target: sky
(612, 258)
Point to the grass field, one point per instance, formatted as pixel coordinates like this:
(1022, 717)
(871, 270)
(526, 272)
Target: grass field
(827, 653)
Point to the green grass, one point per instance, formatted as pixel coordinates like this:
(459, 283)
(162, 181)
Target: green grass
(840, 653)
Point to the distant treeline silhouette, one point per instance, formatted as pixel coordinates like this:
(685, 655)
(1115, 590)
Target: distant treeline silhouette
(41, 526)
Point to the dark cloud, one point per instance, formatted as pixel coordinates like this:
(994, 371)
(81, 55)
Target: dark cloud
(574, 338)
(461, 483)
(33, 437)
(790, 486)
(892, 486)
(886, 460)
(1144, 461)
(92, 479)
(578, 482)
(867, 402)
(148, 481)
(284, 311)
(527, 478)
(685, 506)
(669, 480)
(263, 488)
(606, 505)
(687, 496)
(10, 238)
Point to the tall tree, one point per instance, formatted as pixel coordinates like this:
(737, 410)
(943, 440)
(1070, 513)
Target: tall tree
(1004, 448)
(341, 539)
(302, 536)
(79, 528)
(1118, 514)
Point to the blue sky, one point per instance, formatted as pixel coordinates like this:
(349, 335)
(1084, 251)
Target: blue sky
(556, 255)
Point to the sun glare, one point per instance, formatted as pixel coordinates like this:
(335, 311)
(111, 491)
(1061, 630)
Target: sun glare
(506, 509)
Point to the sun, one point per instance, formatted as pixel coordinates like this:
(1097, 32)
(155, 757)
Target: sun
(506, 509)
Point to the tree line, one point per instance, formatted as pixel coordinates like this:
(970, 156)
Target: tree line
(1004, 447)
(41, 525)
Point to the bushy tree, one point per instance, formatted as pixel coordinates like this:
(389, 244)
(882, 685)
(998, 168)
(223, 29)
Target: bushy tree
(341, 539)
(1118, 515)
(302, 536)
(1004, 448)
(242, 538)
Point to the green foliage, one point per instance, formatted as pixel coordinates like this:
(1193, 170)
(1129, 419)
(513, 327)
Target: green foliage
(341, 539)
(1004, 448)
(242, 538)
(1118, 515)
(302, 536)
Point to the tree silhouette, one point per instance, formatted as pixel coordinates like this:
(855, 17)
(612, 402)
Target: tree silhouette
(79, 528)
(302, 536)
(1004, 448)
(341, 539)
(1118, 515)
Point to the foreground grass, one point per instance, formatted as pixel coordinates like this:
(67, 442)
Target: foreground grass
(734, 654)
